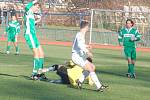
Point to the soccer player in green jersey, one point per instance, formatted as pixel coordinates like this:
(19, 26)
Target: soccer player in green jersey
(12, 31)
(31, 38)
(127, 37)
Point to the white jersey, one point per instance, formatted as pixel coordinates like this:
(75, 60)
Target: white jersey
(79, 46)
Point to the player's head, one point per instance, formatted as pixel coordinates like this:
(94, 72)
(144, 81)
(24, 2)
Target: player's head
(13, 14)
(129, 23)
(14, 17)
(84, 25)
(36, 7)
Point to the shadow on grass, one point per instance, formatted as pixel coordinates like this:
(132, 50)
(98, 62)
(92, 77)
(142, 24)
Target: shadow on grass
(57, 82)
(25, 77)
(110, 56)
(1, 74)
(140, 76)
(112, 73)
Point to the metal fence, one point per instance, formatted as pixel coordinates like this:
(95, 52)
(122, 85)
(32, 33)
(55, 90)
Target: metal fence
(52, 27)
(106, 23)
(104, 26)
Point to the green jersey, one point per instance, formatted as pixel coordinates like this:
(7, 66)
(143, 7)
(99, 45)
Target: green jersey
(29, 20)
(30, 30)
(126, 34)
(13, 28)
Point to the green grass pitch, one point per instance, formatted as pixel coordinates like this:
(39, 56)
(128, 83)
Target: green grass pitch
(110, 68)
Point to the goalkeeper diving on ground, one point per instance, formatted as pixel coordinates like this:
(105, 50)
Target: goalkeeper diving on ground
(69, 74)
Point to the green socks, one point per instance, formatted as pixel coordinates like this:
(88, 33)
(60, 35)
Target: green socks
(131, 69)
(41, 63)
(8, 48)
(35, 66)
(38, 64)
(17, 49)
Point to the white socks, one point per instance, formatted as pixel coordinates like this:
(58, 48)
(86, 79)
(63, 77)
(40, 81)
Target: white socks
(95, 79)
(51, 69)
(84, 75)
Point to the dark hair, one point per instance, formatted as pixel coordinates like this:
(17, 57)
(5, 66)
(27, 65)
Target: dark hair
(89, 59)
(83, 24)
(37, 3)
(130, 21)
(12, 12)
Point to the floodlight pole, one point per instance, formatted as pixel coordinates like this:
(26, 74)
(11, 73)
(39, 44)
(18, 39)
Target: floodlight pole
(91, 26)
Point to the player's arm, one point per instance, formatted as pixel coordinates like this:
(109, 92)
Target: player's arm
(7, 30)
(137, 36)
(18, 28)
(90, 54)
(89, 47)
(38, 17)
(30, 4)
(83, 46)
(120, 38)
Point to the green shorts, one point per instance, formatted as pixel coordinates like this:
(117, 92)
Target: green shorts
(12, 39)
(32, 41)
(130, 52)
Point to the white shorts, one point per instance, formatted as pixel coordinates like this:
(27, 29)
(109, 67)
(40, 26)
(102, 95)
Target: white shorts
(77, 59)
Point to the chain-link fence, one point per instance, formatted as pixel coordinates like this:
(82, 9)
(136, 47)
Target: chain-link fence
(52, 27)
(104, 26)
(106, 23)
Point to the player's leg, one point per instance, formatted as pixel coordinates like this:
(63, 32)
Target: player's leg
(129, 67)
(41, 57)
(127, 52)
(41, 63)
(35, 61)
(90, 67)
(81, 62)
(30, 40)
(89, 70)
(15, 42)
(8, 45)
(133, 59)
(40, 54)
(50, 68)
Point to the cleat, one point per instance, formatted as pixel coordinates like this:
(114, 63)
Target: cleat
(7, 52)
(101, 89)
(42, 77)
(79, 84)
(128, 75)
(134, 76)
(34, 77)
(17, 53)
(55, 67)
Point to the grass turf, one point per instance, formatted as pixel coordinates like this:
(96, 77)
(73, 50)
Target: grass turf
(111, 68)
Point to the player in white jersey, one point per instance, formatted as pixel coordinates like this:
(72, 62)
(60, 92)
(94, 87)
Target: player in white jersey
(80, 51)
